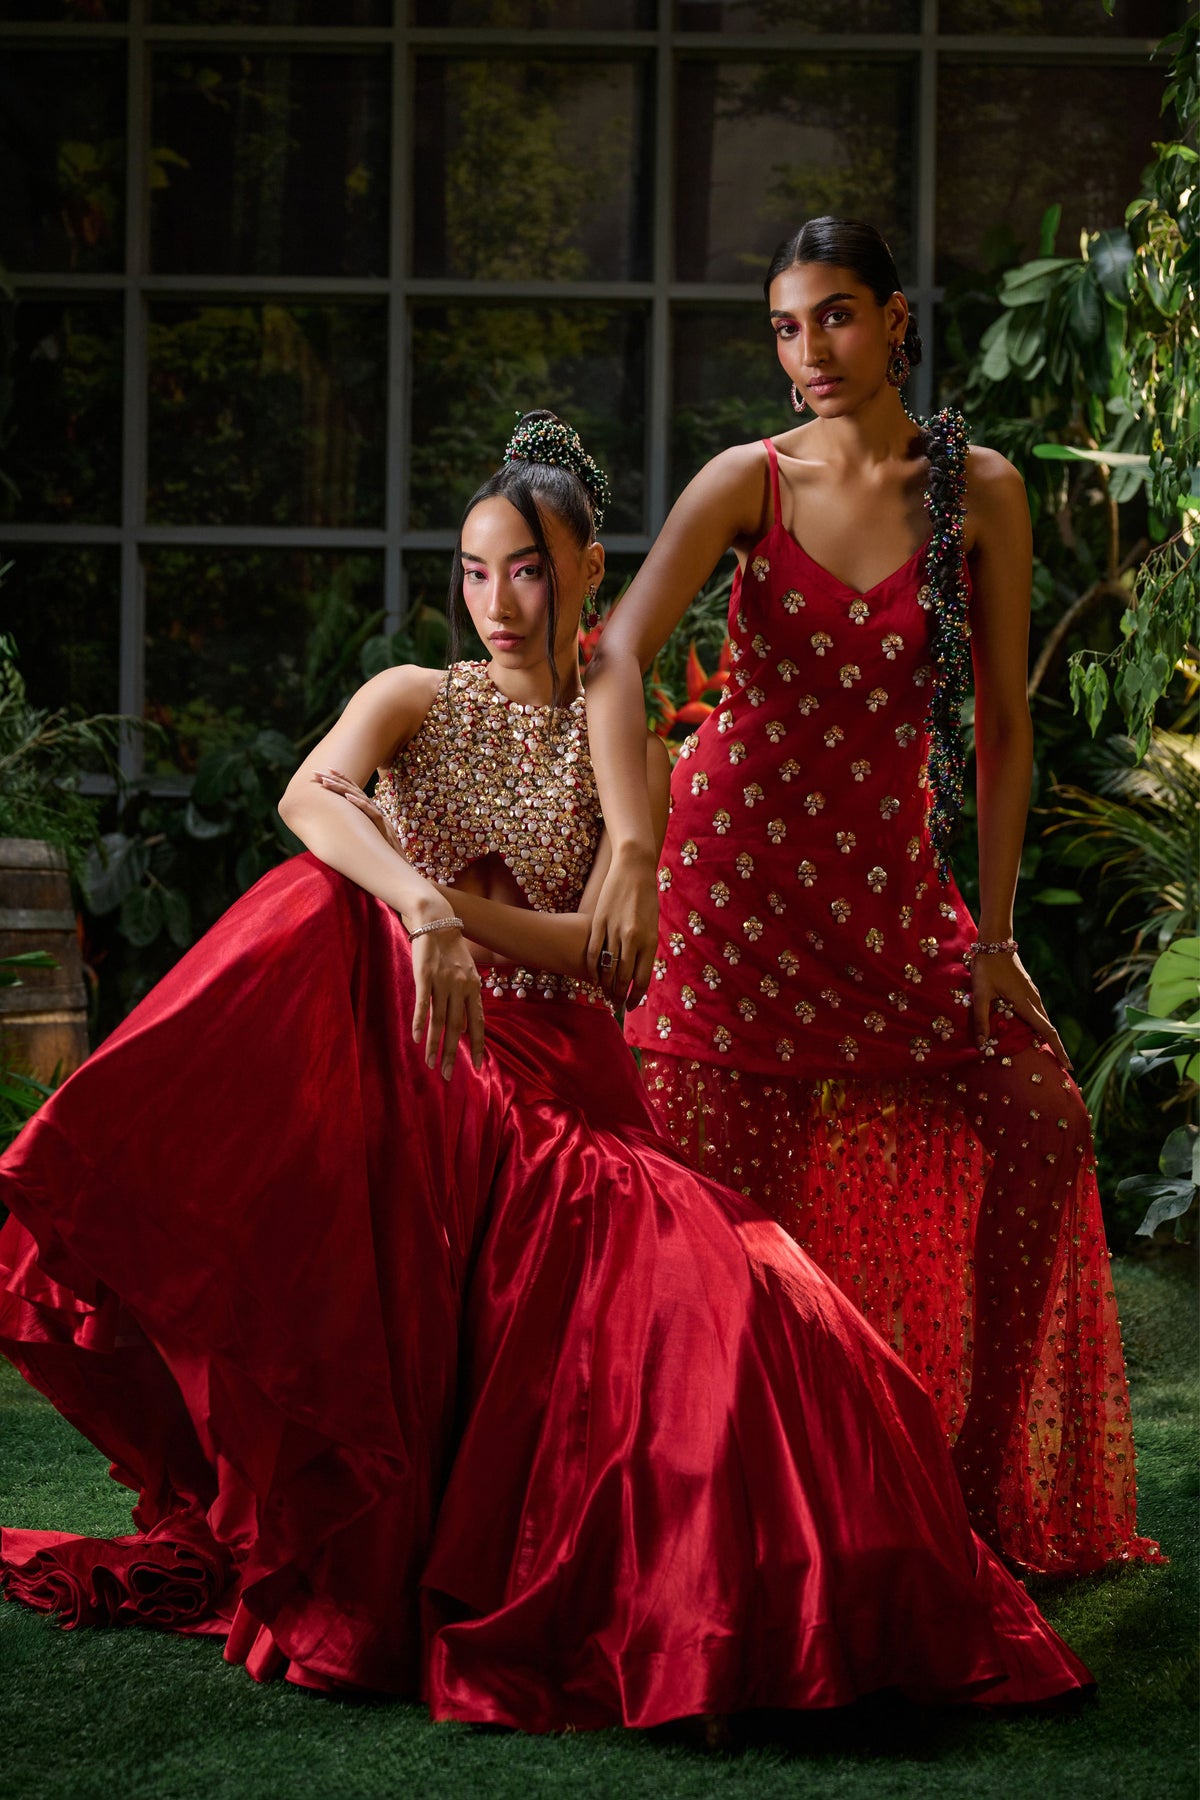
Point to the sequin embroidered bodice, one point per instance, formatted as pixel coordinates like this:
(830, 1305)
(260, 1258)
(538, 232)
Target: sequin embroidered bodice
(803, 923)
(489, 776)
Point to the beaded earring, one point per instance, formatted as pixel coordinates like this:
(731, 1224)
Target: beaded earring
(591, 612)
(899, 368)
(798, 402)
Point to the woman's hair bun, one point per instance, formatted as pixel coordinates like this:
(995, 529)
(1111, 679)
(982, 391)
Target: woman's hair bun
(542, 437)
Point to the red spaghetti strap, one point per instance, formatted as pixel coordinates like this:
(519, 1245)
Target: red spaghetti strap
(773, 459)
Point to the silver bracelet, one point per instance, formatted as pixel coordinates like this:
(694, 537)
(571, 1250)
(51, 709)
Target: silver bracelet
(436, 925)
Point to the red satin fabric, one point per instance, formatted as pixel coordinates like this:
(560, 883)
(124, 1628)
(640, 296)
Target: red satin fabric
(467, 1388)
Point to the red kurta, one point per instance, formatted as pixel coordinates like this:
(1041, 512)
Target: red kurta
(808, 1038)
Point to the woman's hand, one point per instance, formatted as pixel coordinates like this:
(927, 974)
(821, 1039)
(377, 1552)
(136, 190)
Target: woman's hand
(349, 790)
(1002, 981)
(624, 932)
(449, 999)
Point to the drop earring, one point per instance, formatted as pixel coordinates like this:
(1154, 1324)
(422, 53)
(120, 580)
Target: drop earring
(899, 368)
(798, 403)
(591, 612)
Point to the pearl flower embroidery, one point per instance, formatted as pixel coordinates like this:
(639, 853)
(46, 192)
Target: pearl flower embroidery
(860, 612)
(821, 642)
(876, 698)
(813, 804)
(860, 769)
(891, 644)
(788, 670)
(744, 864)
(760, 568)
(792, 601)
(848, 674)
(807, 872)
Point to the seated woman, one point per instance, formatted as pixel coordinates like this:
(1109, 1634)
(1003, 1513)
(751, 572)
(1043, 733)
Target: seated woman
(441, 1372)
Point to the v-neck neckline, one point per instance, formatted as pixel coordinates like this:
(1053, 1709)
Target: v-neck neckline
(856, 593)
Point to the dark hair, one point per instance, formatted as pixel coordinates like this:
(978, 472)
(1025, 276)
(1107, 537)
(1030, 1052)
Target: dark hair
(847, 244)
(534, 488)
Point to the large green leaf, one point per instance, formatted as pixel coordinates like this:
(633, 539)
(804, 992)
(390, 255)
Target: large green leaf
(1112, 459)
(113, 870)
(141, 916)
(1175, 978)
(1111, 256)
(1033, 280)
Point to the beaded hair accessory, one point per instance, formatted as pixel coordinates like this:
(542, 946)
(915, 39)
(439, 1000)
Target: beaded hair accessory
(541, 438)
(946, 593)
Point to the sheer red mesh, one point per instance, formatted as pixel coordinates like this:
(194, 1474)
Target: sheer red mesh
(961, 1213)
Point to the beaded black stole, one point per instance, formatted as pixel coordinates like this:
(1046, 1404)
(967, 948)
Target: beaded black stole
(946, 595)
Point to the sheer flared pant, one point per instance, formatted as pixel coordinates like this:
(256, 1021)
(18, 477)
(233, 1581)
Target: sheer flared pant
(960, 1211)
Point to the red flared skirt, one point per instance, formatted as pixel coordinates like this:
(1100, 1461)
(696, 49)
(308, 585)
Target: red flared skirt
(467, 1388)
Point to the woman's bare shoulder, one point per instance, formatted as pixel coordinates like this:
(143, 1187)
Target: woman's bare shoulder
(991, 476)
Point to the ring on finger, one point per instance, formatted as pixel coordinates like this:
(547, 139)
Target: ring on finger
(606, 959)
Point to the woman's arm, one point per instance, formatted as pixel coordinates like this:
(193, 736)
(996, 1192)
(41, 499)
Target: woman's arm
(1001, 567)
(383, 715)
(538, 940)
(559, 941)
(725, 503)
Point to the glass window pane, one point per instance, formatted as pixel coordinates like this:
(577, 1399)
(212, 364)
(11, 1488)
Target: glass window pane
(271, 12)
(231, 636)
(799, 15)
(62, 159)
(270, 164)
(476, 366)
(54, 12)
(267, 414)
(64, 450)
(1061, 18)
(531, 169)
(63, 608)
(1013, 140)
(726, 385)
(762, 146)
(534, 15)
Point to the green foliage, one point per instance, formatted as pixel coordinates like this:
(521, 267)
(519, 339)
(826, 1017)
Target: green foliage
(1136, 834)
(1092, 367)
(175, 862)
(42, 756)
(20, 1093)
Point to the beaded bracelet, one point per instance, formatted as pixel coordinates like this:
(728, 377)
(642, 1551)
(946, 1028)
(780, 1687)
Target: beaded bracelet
(451, 924)
(1008, 947)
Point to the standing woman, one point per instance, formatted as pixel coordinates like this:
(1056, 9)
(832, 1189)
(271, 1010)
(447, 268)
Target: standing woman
(825, 1026)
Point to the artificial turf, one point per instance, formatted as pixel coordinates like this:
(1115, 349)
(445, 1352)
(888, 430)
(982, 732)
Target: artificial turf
(133, 1714)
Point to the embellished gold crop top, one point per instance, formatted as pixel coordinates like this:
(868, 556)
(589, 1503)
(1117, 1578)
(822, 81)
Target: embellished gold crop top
(488, 776)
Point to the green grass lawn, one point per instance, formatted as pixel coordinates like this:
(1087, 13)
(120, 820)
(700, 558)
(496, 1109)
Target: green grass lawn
(131, 1715)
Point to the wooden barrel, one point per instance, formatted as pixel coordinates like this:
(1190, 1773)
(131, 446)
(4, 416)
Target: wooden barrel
(43, 1023)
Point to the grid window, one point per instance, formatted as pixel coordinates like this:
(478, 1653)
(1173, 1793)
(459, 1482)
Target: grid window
(286, 271)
